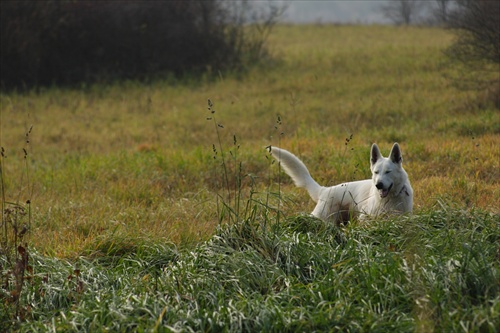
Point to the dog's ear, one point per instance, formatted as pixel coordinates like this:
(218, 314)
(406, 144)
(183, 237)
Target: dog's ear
(395, 155)
(375, 154)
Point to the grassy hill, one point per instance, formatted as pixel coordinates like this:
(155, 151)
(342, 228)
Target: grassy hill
(113, 173)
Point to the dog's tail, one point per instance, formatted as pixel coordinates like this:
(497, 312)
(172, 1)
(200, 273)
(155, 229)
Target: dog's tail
(297, 171)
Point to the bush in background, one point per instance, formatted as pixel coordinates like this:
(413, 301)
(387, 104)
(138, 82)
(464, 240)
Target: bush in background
(476, 25)
(68, 42)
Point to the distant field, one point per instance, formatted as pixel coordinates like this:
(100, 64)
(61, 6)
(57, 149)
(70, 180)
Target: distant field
(134, 161)
(128, 185)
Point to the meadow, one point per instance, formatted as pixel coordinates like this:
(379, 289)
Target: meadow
(149, 211)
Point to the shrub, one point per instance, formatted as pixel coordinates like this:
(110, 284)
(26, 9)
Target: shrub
(68, 42)
(477, 46)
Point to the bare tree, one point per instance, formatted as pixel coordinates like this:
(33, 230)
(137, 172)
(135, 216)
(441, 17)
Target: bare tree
(477, 27)
(401, 11)
(258, 19)
(441, 11)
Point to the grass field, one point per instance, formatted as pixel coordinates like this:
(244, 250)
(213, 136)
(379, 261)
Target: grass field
(126, 191)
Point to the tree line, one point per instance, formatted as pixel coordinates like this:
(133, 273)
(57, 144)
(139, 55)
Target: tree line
(74, 41)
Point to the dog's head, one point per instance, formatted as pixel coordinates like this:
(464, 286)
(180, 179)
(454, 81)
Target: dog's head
(386, 172)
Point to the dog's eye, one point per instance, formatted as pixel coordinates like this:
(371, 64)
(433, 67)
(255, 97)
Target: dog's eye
(388, 171)
(375, 172)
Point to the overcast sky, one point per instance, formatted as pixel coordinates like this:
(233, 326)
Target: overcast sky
(339, 11)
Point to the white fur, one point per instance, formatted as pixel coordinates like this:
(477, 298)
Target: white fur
(389, 190)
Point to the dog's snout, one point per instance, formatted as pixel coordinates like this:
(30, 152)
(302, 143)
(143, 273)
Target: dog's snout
(379, 186)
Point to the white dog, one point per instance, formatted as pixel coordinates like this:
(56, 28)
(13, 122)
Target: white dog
(389, 190)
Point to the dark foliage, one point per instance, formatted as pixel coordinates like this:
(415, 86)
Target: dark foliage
(67, 42)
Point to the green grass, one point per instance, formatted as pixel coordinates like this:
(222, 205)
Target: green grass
(437, 271)
(134, 224)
